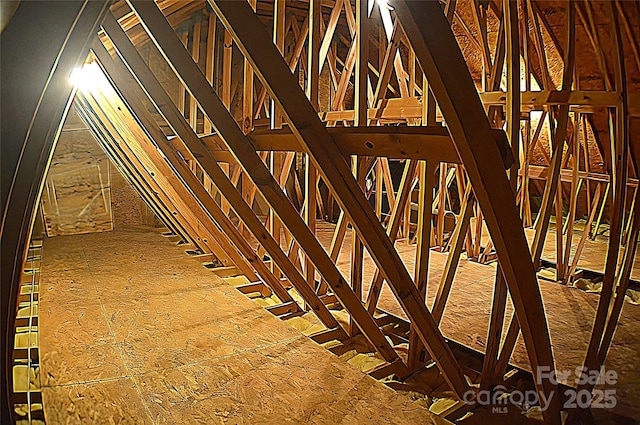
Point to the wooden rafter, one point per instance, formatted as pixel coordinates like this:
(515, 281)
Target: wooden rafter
(435, 48)
(240, 145)
(312, 134)
(244, 135)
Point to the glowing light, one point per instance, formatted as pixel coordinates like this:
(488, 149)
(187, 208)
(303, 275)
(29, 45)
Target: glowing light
(87, 78)
(387, 22)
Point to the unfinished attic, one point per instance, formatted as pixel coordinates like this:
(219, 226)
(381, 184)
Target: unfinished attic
(320, 211)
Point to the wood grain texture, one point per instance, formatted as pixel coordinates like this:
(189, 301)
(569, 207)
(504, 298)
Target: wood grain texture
(179, 345)
(77, 193)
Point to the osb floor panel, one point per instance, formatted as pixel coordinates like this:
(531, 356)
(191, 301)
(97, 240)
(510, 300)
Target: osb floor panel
(570, 314)
(132, 330)
(593, 254)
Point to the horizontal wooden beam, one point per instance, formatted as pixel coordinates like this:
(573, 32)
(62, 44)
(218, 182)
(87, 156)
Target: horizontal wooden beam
(431, 143)
(555, 97)
(536, 100)
(540, 172)
(404, 109)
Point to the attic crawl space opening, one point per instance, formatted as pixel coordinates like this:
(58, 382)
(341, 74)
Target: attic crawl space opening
(320, 211)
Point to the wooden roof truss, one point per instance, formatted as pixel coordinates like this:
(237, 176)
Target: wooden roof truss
(259, 136)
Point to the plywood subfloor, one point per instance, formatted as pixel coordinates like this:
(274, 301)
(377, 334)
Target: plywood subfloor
(570, 314)
(593, 255)
(132, 330)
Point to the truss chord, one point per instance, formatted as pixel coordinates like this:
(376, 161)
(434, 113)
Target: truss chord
(305, 123)
(177, 57)
(436, 46)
